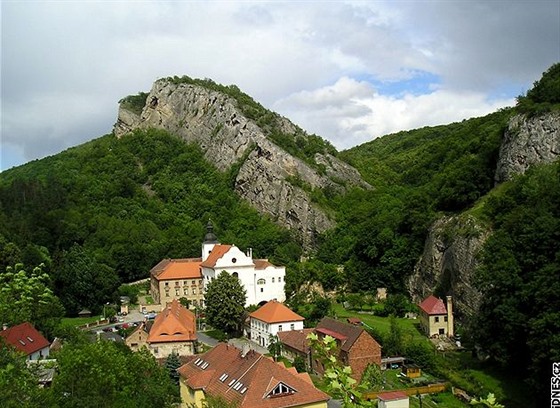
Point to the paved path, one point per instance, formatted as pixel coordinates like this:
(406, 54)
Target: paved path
(204, 338)
(243, 343)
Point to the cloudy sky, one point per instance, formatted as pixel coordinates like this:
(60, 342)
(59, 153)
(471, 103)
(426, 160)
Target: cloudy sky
(347, 71)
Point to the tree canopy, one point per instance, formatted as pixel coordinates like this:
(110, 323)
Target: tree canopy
(225, 303)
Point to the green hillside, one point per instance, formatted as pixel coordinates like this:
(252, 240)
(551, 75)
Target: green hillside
(125, 205)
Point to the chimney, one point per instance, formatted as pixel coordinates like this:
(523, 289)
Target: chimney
(450, 332)
(5, 326)
(250, 253)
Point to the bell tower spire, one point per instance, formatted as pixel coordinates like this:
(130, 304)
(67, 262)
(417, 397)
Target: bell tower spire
(210, 240)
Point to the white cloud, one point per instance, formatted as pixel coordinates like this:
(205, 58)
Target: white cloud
(66, 64)
(350, 112)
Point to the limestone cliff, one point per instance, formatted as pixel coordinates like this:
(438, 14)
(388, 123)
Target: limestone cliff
(528, 141)
(448, 263)
(269, 178)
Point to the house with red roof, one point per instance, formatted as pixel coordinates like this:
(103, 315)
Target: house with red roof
(435, 318)
(392, 399)
(26, 339)
(177, 278)
(172, 331)
(295, 344)
(356, 347)
(270, 319)
(262, 280)
(246, 380)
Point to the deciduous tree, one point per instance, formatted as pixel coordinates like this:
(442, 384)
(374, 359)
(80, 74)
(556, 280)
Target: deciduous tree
(225, 303)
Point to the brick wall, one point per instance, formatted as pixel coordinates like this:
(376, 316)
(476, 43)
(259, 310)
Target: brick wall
(364, 351)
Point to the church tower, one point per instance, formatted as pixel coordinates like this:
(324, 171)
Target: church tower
(210, 240)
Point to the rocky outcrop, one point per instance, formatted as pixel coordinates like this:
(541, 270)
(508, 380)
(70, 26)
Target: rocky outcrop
(448, 263)
(528, 141)
(270, 179)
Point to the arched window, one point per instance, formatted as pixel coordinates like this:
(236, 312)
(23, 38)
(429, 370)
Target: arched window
(261, 281)
(235, 275)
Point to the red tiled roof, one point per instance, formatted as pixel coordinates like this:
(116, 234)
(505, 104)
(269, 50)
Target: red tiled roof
(188, 268)
(332, 333)
(246, 380)
(174, 323)
(345, 331)
(296, 339)
(392, 396)
(275, 312)
(433, 306)
(262, 263)
(217, 252)
(25, 338)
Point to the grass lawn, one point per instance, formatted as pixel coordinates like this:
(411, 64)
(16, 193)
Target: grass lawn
(217, 334)
(444, 399)
(78, 321)
(409, 327)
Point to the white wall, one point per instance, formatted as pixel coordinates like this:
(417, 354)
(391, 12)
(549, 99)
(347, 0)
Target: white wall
(261, 331)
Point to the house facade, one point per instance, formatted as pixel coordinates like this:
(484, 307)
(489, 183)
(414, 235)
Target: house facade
(176, 278)
(270, 319)
(393, 399)
(356, 347)
(295, 344)
(435, 318)
(246, 380)
(172, 331)
(27, 340)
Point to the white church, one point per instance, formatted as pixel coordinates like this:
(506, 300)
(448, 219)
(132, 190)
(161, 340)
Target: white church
(262, 280)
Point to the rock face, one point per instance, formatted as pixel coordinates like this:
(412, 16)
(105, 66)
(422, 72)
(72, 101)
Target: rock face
(266, 172)
(528, 141)
(448, 263)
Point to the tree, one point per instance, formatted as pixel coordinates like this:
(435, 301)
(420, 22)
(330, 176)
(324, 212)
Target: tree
(18, 385)
(107, 374)
(225, 303)
(275, 347)
(172, 363)
(299, 364)
(373, 379)
(489, 401)
(338, 377)
(83, 282)
(393, 344)
(26, 297)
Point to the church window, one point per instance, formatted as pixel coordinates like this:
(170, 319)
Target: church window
(261, 281)
(272, 280)
(262, 290)
(235, 275)
(233, 260)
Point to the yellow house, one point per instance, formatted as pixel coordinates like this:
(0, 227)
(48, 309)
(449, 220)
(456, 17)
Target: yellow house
(173, 331)
(246, 379)
(435, 319)
(175, 279)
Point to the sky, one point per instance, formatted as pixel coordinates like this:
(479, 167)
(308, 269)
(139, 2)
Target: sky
(349, 71)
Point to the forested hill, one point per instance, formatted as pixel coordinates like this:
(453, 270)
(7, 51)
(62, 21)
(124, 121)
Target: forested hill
(107, 211)
(124, 205)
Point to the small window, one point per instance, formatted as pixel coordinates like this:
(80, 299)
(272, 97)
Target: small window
(436, 319)
(166, 283)
(279, 279)
(444, 318)
(233, 260)
(272, 280)
(186, 291)
(261, 282)
(235, 275)
(194, 291)
(292, 326)
(262, 290)
(279, 327)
